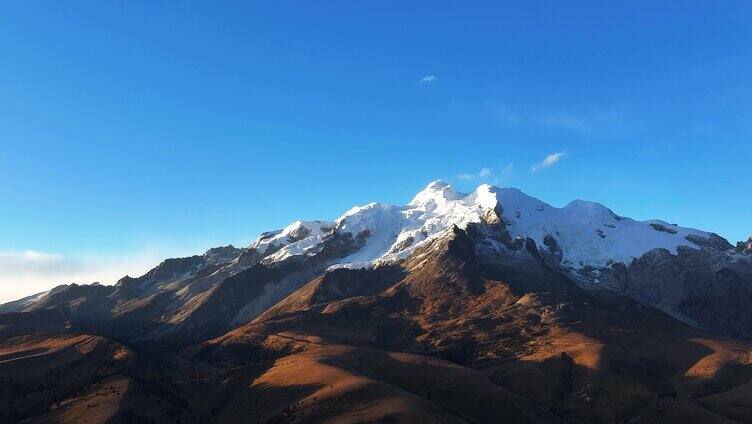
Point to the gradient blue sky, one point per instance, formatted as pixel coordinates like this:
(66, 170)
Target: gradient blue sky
(130, 131)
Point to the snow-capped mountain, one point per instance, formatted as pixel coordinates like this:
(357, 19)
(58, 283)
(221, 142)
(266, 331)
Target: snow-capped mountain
(560, 305)
(588, 233)
(688, 273)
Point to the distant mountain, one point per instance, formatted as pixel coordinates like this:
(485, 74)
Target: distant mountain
(536, 313)
(696, 276)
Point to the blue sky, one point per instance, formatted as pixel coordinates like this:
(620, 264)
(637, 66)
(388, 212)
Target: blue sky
(131, 131)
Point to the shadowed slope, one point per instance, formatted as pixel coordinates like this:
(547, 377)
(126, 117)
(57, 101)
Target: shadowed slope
(74, 378)
(348, 384)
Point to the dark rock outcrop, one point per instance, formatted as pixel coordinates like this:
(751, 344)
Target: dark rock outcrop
(704, 287)
(744, 246)
(663, 228)
(554, 251)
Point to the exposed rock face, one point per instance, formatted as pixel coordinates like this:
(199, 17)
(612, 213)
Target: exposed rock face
(714, 241)
(663, 228)
(744, 247)
(705, 287)
(531, 247)
(495, 225)
(223, 254)
(554, 251)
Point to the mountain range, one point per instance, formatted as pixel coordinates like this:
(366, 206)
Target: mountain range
(490, 306)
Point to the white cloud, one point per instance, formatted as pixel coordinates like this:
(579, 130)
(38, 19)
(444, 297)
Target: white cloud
(504, 175)
(570, 123)
(486, 173)
(548, 162)
(483, 173)
(584, 123)
(28, 272)
(507, 169)
(428, 79)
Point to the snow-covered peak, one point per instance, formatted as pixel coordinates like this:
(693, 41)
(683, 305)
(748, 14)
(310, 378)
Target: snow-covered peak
(588, 233)
(486, 196)
(437, 192)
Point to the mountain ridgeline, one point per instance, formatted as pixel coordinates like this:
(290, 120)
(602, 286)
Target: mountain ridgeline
(543, 314)
(695, 276)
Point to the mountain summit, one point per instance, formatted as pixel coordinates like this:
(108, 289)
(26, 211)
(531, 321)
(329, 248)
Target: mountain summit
(586, 233)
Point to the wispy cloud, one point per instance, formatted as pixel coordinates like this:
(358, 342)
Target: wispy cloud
(428, 79)
(27, 272)
(488, 174)
(508, 169)
(584, 124)
(504, 174)
(483, 173)
(570, 123)
(547, 162)
(507, 116)
(30, 260)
